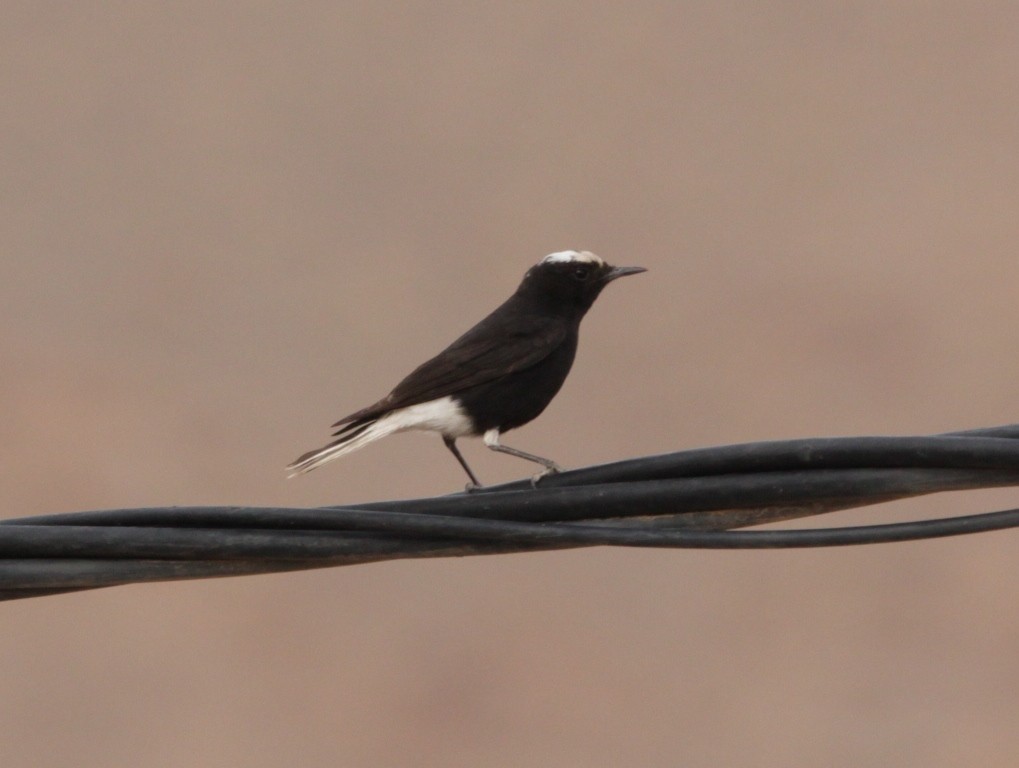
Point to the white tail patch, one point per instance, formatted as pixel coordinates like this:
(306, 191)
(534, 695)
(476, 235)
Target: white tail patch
(444, 415)
(359, 438)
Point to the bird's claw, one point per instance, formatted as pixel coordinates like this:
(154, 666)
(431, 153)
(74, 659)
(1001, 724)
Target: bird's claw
(471, 486)
(550, 469)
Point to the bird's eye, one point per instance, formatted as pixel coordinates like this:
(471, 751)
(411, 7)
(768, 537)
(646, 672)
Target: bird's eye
(581, 273)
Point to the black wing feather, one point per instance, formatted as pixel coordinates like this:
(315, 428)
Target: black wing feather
(495, 347)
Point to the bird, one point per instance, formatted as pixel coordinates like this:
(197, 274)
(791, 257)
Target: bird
(498, 376)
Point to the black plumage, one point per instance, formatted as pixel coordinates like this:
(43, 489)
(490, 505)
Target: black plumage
(499, 375)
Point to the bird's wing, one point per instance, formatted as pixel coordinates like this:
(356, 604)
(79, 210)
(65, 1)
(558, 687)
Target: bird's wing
(487, 352)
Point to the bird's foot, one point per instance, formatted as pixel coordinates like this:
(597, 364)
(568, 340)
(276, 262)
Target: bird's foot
(471, 487)
(550, 469)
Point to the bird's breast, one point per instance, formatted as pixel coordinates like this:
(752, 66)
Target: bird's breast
(512, 400)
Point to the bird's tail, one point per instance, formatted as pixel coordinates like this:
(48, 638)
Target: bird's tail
(352, 437)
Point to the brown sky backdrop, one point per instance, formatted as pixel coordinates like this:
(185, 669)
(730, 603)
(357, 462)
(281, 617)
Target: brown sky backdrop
(223, 226)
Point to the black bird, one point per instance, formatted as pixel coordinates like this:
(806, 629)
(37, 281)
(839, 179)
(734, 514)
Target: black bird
(498, 376)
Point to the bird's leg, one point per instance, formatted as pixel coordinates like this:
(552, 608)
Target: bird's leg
(492, 441)
(450, 442)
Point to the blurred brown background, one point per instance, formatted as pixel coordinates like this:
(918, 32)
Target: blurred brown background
(225, 226)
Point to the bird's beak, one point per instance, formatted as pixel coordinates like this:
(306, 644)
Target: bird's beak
(615, 272)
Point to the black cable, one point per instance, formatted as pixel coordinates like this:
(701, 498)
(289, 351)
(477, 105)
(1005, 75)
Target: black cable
(995, 448)
(682, 500)
(609, 500)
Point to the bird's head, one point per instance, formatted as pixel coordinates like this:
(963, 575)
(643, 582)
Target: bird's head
(571, 279)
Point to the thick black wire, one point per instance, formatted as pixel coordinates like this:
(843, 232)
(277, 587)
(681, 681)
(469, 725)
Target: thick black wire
(992, 448)
(437, 532)
(837, 487)
(32, 577)
(692, 495)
